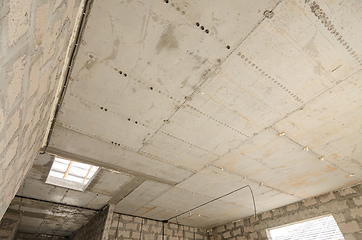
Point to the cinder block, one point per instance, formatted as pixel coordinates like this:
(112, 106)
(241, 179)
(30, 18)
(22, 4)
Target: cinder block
(17, 20)
(310, 201)
(358, 201)
(327, 197)
(124, 233)
(220, 229)
(13, 126)
(249, 229)
(127, 218)
(156, 229)
(230, 226)
(336, 206)
(41, 24)
(2, 120)
(51, 40)
(43, 84)
(241, 238)
(347, 191)
(253, 236)
(356, 212)
(236, 232)
(265, 215)
(226, 235)
(11, 152)
(15, 79)
(292, 207)
(34, 78)
(349, 227)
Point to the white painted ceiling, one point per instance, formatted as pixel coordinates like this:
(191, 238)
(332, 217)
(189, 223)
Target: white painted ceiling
(190, 115)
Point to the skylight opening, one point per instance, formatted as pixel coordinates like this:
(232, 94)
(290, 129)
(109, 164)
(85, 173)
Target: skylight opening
(324, 228)
(71, 174)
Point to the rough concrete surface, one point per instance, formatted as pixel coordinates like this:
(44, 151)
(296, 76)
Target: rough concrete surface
(180, 102)
(216, 95)
(34, 38)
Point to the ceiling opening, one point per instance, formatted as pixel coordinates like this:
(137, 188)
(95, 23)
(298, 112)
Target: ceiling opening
(71, 174)
(324, 228)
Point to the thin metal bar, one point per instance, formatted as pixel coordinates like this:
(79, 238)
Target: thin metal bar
(218, 199)
(87, 173)
(68, 169)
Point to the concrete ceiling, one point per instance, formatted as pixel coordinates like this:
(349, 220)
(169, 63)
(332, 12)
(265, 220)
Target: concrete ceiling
(189, 100)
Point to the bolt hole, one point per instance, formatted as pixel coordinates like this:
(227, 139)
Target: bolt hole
(119, 144)
(112, 142)
(120, 72)
(129, 119)
(135, 122)
(101, 108)
(125, 74)
(202, 28)
(105, 109)
(166, 1)
(207, 31)
(151, 88)
(197, 24)
(228, 47)
(178, 9)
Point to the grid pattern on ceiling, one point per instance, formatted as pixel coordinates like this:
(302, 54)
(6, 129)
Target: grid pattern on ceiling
(324, 228)
(72, 171)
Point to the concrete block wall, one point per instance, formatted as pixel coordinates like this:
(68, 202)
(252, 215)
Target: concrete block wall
(34, 36)
(344, 204)
(128, 227)
(9, 225)
(29, 236)
(95, 228)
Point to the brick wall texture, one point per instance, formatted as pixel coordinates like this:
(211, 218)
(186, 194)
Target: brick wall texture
(344, 204)
(94, 229)
(9, 225)
(30, 236)
(34, 38)
(127, 227)
(107, 225)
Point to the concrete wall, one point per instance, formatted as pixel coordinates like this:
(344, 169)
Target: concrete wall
(34, 38)
(29, 236)
(128, 227)
(96, 228)
(9, 225)
(344, 204)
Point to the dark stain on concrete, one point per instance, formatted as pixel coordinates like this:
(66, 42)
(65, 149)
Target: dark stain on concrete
(167, 40)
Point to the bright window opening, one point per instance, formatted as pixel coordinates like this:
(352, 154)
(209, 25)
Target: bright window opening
(324, 228)
(71, 174)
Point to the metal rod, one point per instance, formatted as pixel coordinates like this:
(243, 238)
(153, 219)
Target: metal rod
(218, 199)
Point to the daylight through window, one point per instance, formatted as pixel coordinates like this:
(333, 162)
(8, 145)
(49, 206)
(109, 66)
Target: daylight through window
(71, 174)
(324, 228)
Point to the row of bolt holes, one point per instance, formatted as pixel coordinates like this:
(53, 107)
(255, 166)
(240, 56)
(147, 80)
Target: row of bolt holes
(207, 31)
(117, 144)
(202, 28)
(268, 76)
(105, 109)
(178, 9)
(125, 74)
(197, 24)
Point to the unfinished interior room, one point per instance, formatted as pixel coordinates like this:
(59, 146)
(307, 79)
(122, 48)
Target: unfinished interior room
(181, 119)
